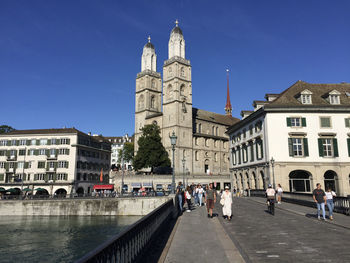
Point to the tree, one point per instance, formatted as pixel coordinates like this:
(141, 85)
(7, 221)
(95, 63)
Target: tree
(151, 151)
(5, 129)
(127, 153)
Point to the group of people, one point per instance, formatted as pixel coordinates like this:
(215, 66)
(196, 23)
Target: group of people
(322, 199)
(204, 196)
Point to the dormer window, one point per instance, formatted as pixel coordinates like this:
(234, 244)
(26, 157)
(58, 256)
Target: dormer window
(334, 97)
(305, 97)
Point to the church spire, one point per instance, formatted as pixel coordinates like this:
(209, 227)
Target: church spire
(228, 107)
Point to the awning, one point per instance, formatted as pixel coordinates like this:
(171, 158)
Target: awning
(136, 185)
(103, 187)
(147, 185)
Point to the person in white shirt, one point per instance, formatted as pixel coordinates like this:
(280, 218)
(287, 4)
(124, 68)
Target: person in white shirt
(330, 204)
(227, 207)
(279, 193)
(200, 194)
(188, 198)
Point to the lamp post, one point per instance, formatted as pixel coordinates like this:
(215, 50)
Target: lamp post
(272, 161)
(173, 139)
(183, 166)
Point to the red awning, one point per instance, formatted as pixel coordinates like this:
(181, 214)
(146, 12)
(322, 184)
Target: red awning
(103, 186)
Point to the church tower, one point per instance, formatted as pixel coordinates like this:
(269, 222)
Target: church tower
(228, 107)
(177, 101)
(148, 95)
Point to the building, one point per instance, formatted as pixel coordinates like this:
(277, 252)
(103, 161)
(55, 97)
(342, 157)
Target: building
(55, 161)
(297, 138)
(202, 144)
(117, 145)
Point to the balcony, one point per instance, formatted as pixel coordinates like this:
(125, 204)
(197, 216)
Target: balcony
(11, 158)
(51, 157)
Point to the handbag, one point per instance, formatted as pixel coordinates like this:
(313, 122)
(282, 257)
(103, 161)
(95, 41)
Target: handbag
(222, 201)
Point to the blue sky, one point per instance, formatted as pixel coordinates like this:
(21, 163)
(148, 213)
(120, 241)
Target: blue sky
(74, 63)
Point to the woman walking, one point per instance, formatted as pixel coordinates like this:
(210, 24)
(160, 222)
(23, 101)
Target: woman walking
(188, 198)
(227, 197)
(200, 194)
(330, 204)
(279, 193)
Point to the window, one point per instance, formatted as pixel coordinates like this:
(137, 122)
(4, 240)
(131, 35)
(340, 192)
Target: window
(62, 164)
(239, 155)
(347, 122)
(51, 165)
(251, 130)
(299, 181)
(22, 142)
(182, 72)
(213, 130)
(298, 147)
(33, 142)
(63, 151)
(22, 152)
(233, 157)
(196, 155)
(199, 128)
(11, 165)
(52, 152)
(306, 99)
(3, 143)
(12, 152)
(251, 146)
(245, 153)
(53, 141)
(20, 165)
(29, 165)
(259, 149)
(334, 99)
(41, 164)
(42, 151)
(182, 90)
(216, 157)
(217, 131)
(325, 122)
(296, 122)
(2, 165)
(62, 176)
(43, 142)
(39, 177)
(64, 141)
(153, 102)
(328, 147)
(14, 142)
(31, 152)
(258, 126)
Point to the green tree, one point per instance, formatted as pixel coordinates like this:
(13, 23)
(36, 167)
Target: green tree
(5, 129)
(151, 152)
(127, 152)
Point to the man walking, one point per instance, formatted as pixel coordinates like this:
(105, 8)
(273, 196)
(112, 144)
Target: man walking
(319, 197)
(210, 199)
(179, 194)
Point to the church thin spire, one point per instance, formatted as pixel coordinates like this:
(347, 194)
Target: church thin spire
(228, 107)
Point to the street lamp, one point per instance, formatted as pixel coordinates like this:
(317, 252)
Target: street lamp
(183, 166)
(173, 139)
(272, 161)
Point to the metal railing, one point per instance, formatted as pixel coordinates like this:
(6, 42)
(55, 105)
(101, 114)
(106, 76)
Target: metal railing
(128, 245)
(341, 204)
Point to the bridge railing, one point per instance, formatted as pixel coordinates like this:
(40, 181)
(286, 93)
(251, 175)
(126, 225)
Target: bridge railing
(128, 245)
(341, 204)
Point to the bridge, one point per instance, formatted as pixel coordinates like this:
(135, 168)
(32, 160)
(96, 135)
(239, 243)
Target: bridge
(253, 235)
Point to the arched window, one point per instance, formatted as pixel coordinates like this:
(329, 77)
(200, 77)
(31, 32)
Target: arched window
(182, 90)
(216, 157)
(217, 131)
(182, 72)
(153, 102)
(299, 181)
(199, 128)
(196, 155)
(330, 178)
(153, 84)
(141, 102)
(213, 130)
(170, 92)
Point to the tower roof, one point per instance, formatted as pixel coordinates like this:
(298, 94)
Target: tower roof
(228, 107)
(176, 29)
(149, 44)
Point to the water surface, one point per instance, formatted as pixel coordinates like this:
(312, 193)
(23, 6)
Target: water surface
(56, 238)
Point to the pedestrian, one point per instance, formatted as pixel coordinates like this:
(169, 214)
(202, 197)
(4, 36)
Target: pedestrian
(319, 197)
(200, 194)
(179, 194)
(227, 207)
(279, 193)
(195, 195)
(330, 203)
(210, 200)
(188, 198)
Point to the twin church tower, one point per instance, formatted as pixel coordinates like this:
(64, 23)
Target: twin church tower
(202, 145)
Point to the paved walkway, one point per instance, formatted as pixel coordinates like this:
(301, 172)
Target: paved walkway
(201, 239)
(253, 235)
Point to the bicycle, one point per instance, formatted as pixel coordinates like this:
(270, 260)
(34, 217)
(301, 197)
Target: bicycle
(271, 206)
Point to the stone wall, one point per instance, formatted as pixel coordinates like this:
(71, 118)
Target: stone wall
(82, 207)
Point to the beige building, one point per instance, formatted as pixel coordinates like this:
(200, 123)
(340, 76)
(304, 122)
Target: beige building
(201, 139)
(305, 131)
(57, 161)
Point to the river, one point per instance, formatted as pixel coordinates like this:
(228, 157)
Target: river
(55, 238)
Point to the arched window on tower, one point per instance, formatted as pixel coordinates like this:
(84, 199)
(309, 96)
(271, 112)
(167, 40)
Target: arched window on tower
(170, 92)
(217, 131)
(182, 90)
(199, 128)
(196, 155)
(153, 102)
(182, 72)
(141, 103)
(213, 130)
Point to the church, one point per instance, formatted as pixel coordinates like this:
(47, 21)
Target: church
(202, 145)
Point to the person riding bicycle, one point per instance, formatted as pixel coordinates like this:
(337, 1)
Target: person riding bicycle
(270, 195)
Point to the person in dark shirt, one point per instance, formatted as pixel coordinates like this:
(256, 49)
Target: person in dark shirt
(319, 197)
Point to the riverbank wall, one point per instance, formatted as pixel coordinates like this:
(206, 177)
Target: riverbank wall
(82, 207)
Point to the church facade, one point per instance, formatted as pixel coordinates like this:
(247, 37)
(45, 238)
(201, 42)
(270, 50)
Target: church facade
(202, 145)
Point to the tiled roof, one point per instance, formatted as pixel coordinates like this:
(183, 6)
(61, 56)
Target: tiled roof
(44, 131)
(213, 117)
(289, 97)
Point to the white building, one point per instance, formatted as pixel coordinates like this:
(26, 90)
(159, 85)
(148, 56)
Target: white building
(117, 145)
(305, 130)
(61, 161)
